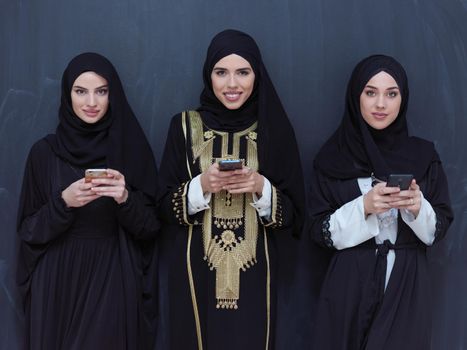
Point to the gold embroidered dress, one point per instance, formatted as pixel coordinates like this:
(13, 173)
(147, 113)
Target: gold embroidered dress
(222, 274)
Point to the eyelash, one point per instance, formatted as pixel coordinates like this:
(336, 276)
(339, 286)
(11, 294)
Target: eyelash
(100, 92)
(222, 73)
(390, 94)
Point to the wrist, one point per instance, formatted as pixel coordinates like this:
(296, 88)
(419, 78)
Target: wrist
(64, 198)
(260, 186)
(202, 183)
(124, 197)
(366, 212)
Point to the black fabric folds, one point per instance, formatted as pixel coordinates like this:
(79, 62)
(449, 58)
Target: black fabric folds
(277, 147)
(86, 274)
(111, 142)
(358, 150)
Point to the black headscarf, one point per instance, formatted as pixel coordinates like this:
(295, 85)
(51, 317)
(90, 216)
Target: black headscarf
(358, 150)
(278, 155)
(113, 141)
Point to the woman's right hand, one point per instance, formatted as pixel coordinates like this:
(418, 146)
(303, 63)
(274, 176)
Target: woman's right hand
(213, 179)
(78, 194)
(377, 201)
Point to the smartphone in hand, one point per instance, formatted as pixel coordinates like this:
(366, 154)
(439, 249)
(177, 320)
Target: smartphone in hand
(230, 164)
(90, 174)
(402, 181)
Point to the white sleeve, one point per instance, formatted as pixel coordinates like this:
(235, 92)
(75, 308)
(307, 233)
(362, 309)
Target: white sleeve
(263, 204)
(348, 226)
(424, 225)
(197, 200)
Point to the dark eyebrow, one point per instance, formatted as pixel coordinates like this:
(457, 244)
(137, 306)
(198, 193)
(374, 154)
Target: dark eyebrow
(97, 88)
(221, 68)
(374, 87)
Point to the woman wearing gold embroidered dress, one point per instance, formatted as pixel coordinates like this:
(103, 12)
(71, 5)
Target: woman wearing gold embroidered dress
(221, 227)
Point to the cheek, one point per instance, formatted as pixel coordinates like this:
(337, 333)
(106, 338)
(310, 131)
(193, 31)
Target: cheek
(217, 86)
(104, 104)
(248, 86)
(365, 107)
(76, 103)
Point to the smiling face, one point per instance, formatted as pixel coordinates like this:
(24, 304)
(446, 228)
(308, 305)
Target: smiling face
(90, 97)
(233, 81)
(380, 101)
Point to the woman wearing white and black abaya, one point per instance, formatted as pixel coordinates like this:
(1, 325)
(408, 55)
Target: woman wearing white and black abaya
(376, 294)
(222, 229)
(86, 247)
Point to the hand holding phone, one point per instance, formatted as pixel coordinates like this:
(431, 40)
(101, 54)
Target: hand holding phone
(90, 174)
(402, 181)
(230, 164)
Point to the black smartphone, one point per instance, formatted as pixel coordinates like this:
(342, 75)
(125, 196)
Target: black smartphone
(402, 181)
(230, 164)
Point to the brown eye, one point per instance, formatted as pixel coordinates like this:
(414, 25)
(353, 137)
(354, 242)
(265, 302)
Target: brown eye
(219, 72)
(102, 92)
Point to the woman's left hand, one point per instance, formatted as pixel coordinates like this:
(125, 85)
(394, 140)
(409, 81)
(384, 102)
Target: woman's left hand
(410, 199)
(245, 180)
(112, 186)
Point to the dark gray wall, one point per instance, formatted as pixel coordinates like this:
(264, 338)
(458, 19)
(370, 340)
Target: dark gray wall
(309, 46)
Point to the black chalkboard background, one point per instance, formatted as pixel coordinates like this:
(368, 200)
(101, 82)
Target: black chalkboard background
(309, 47)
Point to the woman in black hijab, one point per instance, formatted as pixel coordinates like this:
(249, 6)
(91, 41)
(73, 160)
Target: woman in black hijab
(221, 228)
(376, 294)
(86, 246)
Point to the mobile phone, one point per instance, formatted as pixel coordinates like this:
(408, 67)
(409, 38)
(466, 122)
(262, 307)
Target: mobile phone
(90, 174)
(230, 164)
(402, 181)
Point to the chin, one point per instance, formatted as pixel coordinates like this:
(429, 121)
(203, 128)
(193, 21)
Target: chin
(233, 105)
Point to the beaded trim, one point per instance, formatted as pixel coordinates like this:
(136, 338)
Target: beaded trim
(276, 210)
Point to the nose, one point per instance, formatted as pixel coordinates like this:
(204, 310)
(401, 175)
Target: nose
(91, 100)
(381, 101)
(232, 81)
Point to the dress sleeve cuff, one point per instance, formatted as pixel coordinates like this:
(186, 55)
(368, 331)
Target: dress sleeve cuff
(424, 225)
(263, 204)
(180, 205)
(275, 220)
(197, 200)
(348, 226)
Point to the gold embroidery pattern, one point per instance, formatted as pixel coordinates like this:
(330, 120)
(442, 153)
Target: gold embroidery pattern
(276, 210)
(227, 252)
(179, 204)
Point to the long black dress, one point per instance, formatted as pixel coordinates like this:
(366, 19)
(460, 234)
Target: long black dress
(355, 310)
(348, 316)
(224, 263)
(84, 291)
(85, 274)
(249, 325)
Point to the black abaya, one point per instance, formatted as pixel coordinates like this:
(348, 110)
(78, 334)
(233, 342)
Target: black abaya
(355, 312)
(85, 289)
(85, 274)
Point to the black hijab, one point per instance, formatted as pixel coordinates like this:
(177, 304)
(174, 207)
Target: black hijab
(358, 150)
(115, 140)
(278, 155)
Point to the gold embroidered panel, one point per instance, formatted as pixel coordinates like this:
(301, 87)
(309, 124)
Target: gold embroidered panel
(230, 226)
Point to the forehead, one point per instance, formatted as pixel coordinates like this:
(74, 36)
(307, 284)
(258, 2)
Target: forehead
(90, 80)
(382, 80)
(232, 61)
